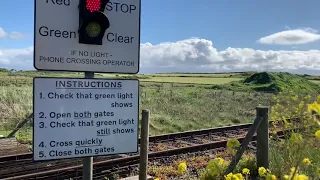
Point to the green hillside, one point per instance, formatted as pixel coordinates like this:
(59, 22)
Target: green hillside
(272, 82)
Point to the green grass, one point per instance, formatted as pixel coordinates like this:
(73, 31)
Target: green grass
(174, 107)
(272, 82)
(192, 80)
(193, 75)
(316, 81)
(180, 104)
(285, 154)
(193, 108)
(281, 162)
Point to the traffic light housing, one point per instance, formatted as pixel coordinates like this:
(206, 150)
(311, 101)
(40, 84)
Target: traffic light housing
(92, 21)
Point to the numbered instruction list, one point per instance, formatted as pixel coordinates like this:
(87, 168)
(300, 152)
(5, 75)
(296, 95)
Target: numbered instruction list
(84, 117)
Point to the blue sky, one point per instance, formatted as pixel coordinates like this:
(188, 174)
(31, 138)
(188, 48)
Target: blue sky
(224, 23)
(228, 23)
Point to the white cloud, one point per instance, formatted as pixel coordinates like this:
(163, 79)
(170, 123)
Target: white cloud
(291, 36)
(2, 33)
(16, 35)
(200, 55)
(197, 55)
(12, 35)
(309, 29)
(17, 58)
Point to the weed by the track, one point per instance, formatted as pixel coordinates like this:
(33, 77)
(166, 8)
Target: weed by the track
(197, 165)
(298, 155)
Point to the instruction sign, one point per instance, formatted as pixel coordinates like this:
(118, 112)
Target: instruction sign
(84, 117)
(56, 38)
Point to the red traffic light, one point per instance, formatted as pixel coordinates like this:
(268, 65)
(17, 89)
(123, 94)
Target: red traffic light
(93, 5)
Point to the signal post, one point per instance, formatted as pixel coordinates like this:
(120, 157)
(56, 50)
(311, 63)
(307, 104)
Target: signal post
(84, 117)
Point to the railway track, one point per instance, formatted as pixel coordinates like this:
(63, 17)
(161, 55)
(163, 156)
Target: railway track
(22, 167)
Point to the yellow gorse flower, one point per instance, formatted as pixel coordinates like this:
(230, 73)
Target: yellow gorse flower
(314, 107)
(232, 176)
(306, 161)
(219, 160)
(271, 177)
(182, 167)
(245, 171)
(292, 170)
(317, 134)
(295, 138)
(233, 143)
(262, 171)
(294, 98)
(215, 166)
(301, 177)
(240, 177)
(296, 176)
(274, 132)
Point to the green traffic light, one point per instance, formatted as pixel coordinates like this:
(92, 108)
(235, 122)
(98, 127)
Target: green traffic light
(93, 29)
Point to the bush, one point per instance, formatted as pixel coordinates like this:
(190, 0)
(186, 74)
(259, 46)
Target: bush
(296, 157)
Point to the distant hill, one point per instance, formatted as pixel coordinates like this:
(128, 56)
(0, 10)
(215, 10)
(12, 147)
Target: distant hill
(272, 82)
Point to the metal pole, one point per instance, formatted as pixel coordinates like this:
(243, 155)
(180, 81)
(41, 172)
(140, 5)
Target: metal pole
(263, 138)
(88, 161)
(144, 145)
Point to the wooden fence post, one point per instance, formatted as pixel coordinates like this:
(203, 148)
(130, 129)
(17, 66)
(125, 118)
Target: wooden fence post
(262, 153)
(144, 145)
(20, 125)
(252, 130)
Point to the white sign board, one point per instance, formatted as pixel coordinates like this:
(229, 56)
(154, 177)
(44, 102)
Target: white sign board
(56, 38)
(84, 117)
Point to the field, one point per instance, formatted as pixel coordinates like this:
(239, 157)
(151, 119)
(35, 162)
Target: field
(316, 81)
(177, 102)
(192, 80)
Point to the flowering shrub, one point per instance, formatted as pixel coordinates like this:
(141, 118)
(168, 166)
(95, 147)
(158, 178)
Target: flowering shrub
(296, 157)
(216, 167)
(294, 154)
(293, 106)
(182, 167)
(233, 145)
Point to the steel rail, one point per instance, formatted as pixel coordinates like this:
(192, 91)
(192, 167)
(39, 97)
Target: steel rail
(109, 165)
(118, 160)
(156, 138)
